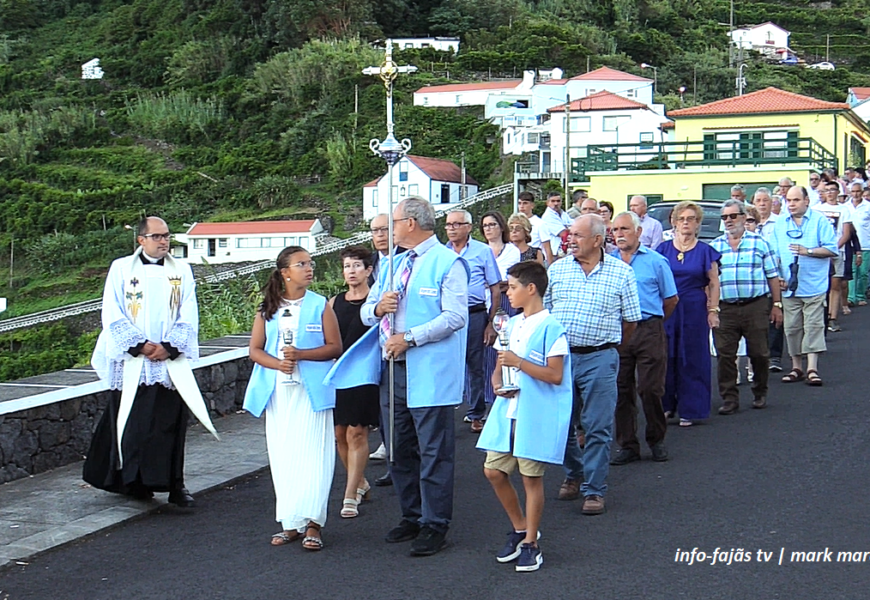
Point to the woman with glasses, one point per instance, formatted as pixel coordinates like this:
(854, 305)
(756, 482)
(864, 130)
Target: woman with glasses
(294, 339)
(696, 272)
(356, 409)
(495, 231)
(605, 209)
(520, 234)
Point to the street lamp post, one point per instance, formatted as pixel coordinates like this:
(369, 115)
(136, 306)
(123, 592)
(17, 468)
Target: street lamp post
(392, 151)
(655, 76)
(133, 229)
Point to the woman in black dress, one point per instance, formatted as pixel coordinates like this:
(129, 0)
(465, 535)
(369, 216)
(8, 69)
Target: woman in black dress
(356, 409)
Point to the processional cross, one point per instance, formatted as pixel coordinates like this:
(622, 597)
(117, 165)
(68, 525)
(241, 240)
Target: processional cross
(392, 151)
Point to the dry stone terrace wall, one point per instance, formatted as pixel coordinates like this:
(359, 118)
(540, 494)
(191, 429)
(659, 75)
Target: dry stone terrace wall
(46, 437)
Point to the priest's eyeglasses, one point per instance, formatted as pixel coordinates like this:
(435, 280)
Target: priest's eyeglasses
(158, 237)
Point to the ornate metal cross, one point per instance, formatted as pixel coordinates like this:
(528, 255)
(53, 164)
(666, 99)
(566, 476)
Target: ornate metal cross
(390, 149)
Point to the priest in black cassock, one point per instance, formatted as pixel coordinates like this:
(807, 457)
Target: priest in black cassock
(150, 332)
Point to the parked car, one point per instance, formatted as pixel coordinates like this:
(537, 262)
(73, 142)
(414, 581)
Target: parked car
(789, 61)
(823, 66)
(710, 227)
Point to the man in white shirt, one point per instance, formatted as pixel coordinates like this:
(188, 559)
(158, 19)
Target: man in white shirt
(860, 207)
(555, 222)
(763, 201)
(525, 204)
(651, 235)
(840, 217)
(815, 188)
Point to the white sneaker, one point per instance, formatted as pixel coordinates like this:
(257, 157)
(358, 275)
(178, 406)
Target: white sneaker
(379, 454)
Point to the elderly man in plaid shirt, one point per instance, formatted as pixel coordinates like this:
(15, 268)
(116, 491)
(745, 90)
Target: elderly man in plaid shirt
(594, 297)
(748, 280)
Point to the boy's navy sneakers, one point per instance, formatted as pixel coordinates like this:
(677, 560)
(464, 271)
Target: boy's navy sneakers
(531, 558)
(512, 546)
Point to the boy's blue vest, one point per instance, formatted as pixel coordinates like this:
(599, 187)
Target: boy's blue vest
(262, 383)
(543, 409)
(436, 371)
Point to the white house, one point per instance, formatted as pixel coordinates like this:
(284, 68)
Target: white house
(471, 94)
(438, 181)
(217, 243)
(92, 69)
(601, 119)
(858, 99)
(554, 92)
(444, 44)
(767, 38)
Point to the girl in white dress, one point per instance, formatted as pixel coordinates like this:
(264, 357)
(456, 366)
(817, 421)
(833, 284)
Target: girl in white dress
(286, 384)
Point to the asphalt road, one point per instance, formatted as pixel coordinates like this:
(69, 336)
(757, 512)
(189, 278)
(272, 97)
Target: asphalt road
(791, 477)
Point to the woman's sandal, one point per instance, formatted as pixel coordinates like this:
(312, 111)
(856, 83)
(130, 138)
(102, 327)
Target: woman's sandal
(793, 376)
(282, 538)
(362, 493)
(813, 378)
(349, 508)
(311, 542)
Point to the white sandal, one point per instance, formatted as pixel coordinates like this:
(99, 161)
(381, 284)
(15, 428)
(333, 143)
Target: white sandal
(349, 508)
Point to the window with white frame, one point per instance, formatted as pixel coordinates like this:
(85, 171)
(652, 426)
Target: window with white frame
(249, 243)
(222, 243)
(199, 244)
(630, 93)
(646, 140)
(533, 138)
(375, 197)
(458, 98)
(425, 100)
(612, 122)
(290, 241)
(580, 124)
(403, 170)
(414, 189)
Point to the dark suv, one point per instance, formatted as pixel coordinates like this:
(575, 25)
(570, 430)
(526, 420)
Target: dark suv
(710, 227)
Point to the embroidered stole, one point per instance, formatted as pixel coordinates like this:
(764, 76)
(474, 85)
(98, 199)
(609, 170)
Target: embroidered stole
(180, 372)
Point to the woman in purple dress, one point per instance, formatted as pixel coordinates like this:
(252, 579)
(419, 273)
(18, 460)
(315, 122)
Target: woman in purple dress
(696, 272)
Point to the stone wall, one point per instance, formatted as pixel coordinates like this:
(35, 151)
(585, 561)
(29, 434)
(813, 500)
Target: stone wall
(46, 437)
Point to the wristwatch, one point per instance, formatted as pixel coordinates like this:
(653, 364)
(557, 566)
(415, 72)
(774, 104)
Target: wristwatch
(409, 339)
(777, 305)
(809, 251)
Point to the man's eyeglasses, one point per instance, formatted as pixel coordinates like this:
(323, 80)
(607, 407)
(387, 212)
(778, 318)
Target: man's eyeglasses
(731, 216)
(380, 230)
(795, 234)
(455, 225)
(304, 264)
(157, 237)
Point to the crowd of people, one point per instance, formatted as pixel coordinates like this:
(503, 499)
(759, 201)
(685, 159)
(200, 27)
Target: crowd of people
(593, 309)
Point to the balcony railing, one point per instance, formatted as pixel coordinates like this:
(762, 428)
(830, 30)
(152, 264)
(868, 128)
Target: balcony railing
(707, 153)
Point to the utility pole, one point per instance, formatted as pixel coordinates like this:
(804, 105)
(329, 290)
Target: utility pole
(567, 168)
(828, 48)
(731, 37)
(355, 106)
(11, 259)
(463, 191)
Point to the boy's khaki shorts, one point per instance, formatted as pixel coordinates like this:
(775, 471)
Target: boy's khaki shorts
(506, 463)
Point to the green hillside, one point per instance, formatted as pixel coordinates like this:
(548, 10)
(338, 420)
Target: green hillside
(230, 109)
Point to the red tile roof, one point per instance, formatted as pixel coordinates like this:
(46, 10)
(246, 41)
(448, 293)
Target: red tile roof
(437, 169)
(668, 125)
(470, 87)
(860, 93)
(441, 170)
(608, 74)
(251, 227)
(602, 100)
(768, 100)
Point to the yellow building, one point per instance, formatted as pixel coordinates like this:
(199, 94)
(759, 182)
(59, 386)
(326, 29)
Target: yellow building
(754, 140)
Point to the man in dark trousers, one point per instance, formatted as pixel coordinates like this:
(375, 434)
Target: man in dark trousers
(647, 349)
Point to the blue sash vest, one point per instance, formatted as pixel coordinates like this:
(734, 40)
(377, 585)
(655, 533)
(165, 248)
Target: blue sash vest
(436, 371)
(543, 409)
(262, 383)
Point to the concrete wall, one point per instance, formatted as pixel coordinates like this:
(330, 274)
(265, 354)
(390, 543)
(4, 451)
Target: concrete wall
(46, 437)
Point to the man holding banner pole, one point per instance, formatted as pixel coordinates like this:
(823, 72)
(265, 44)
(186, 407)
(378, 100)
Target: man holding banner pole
(429, 306)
